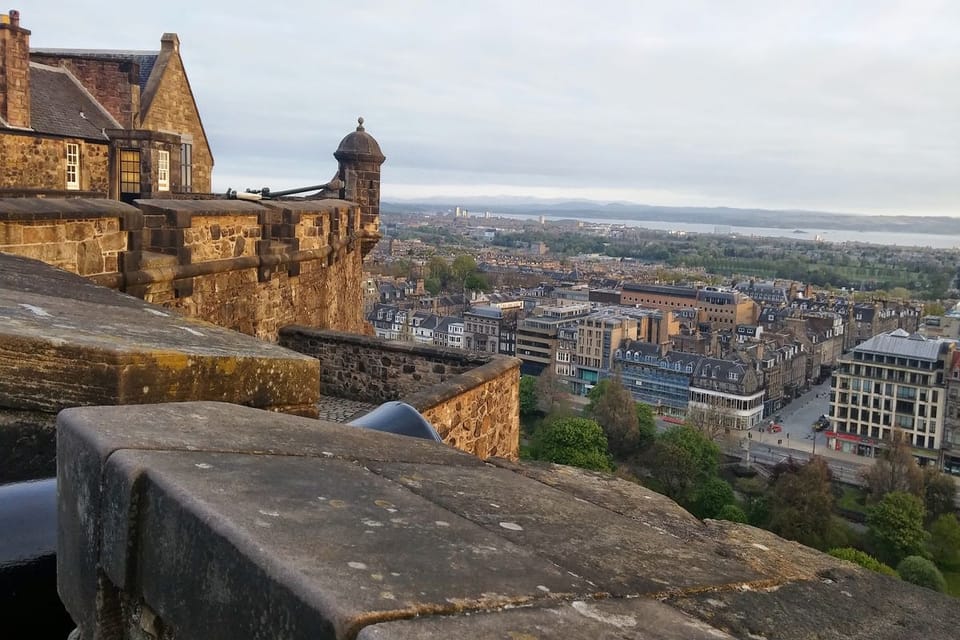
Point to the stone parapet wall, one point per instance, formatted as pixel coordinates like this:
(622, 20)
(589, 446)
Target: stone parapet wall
(479, 409)
(471, 399)
(252, 267)
(207, 521)
(86, 237)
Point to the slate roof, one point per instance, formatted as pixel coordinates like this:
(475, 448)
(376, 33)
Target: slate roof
(59, 105)
(144, 59)
(900, 343)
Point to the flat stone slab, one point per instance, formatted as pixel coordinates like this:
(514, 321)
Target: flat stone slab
(574, 620)
(231, 522)
(66, 342)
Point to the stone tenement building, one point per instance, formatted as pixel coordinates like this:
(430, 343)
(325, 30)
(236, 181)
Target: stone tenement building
(98, 122)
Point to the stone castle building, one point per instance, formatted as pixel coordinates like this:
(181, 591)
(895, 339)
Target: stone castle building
(98, 122)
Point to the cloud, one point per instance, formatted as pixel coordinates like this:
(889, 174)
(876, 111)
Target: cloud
(843, 106)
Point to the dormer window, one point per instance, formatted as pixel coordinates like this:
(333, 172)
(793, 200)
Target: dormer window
(733, 376)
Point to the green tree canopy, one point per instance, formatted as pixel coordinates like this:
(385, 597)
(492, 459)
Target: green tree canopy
(922, 572)
(528, 396)
(646, 424)
(802, 504)
(732, 513)
(578, 442)
(863, 559)
(464, 266)
(944, 543)
(895, 527)
(712, 496)
(681, 459)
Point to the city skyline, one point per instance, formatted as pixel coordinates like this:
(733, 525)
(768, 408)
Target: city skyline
(815, 107)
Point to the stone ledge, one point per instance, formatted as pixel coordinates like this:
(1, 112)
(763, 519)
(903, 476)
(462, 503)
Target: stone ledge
(66, 342)
(231, 522)
(30, 209)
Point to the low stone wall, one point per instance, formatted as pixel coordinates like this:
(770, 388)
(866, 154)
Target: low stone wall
(82, 236)
(471, 399)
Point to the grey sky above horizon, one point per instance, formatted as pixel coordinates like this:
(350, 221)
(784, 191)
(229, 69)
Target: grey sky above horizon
(842, 106)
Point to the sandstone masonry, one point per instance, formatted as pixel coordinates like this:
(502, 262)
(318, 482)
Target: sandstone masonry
(471, 399)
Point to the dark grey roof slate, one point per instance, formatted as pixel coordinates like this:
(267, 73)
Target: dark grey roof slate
(57, 102)
(144, 59)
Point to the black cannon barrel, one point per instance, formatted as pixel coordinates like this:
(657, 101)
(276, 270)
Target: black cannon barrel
(267, 193)
(399, 418)
(28, 561)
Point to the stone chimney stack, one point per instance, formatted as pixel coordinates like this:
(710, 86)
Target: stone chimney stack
(14, 71)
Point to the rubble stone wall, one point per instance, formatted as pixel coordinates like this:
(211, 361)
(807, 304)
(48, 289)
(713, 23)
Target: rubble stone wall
(471, 399)
(42, 162)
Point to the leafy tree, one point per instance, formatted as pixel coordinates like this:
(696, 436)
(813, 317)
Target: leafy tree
(646, 423)
(475, 282)
(896, 470)
(922, 572)
(712, 496)
(464, 266)
(528, 396)
(578, 442)
(438, 268)
(433, 285)
(673, 467)
(863, 559)
(681, 459)
(895, 527)
(706, 454)
(732, 513)
(939, 493)
(802, 504)
(758, 511)
(616, 412)
(944, 543)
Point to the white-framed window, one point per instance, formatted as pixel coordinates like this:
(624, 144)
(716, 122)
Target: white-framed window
(73, 166)
(163, 171)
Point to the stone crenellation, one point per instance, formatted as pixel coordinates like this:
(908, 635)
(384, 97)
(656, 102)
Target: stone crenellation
(471, 399)
(251, 267)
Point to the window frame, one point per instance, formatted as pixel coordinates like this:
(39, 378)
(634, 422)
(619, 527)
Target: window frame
(163, 170)
(186, 167)
(72, 153)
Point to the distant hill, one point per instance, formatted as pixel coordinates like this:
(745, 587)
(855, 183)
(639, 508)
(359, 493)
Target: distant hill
(779, 219)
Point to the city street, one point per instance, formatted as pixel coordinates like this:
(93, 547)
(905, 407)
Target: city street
(798, 417)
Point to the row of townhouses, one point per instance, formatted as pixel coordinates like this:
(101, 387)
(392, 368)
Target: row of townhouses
(686, 350)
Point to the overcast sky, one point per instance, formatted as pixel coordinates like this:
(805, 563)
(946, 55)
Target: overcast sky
(842, 105)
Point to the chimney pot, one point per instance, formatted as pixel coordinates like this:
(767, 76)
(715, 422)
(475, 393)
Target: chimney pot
(14, 18)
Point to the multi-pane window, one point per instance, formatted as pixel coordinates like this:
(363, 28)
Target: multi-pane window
(163, 171)
(186, 167)
(73, 165)
(129, 171)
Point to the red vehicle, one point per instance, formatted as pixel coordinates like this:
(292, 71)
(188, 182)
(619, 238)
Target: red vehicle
(775, 428)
